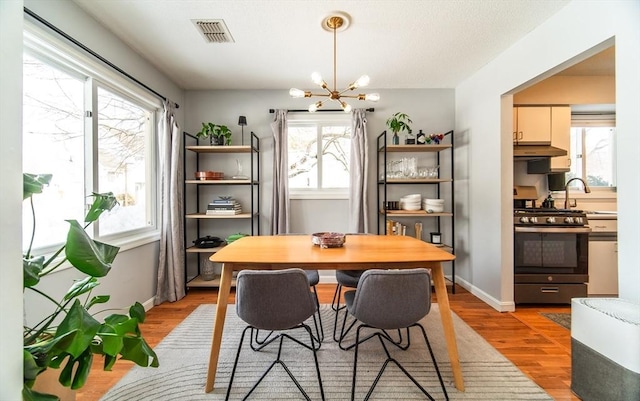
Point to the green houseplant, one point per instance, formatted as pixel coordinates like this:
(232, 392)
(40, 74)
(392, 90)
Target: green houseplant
(217, 134)
(397, 123)
(69, 336)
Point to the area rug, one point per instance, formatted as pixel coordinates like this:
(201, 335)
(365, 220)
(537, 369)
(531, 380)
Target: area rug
(563, 319)
(184, 357)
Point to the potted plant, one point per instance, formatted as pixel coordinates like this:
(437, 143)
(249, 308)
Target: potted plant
(217, 134)
(69, 336)
(397, 123)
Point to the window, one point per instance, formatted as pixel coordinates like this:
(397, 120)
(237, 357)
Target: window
(593, 156)
(95, 133)
(319, 154)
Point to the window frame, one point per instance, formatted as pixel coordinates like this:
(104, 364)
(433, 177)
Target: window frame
(588, 120)
(320, 120)
(52, 49)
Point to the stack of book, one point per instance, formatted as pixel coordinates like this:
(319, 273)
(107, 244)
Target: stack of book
(224, 207)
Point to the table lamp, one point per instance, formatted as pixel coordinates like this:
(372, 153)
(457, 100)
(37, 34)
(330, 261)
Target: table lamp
(242, 121)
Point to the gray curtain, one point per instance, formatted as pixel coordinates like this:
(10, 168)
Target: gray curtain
(280, 197)
(358, 167)
(171, 276)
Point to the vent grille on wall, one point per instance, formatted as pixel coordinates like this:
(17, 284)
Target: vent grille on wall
(214, 31)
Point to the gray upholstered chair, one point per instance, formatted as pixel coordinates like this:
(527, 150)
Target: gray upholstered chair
(387, 300)
(263, 305)
(314, 278)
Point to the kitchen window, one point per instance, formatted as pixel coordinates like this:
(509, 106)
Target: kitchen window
(319, 154)
(593, 150)
(94, 132)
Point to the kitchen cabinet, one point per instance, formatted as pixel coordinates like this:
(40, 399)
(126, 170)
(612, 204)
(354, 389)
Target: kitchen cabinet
(429, 185)
(532, 125)
(561, 137)
(198, 194)
(603, 256)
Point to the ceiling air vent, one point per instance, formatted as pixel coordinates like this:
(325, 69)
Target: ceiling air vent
(214, 31)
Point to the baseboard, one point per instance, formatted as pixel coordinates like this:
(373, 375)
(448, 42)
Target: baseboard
(150, 303)
(486, 298)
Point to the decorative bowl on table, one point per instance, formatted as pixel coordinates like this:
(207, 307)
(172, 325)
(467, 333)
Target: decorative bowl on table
(328, 239)
(209, 175)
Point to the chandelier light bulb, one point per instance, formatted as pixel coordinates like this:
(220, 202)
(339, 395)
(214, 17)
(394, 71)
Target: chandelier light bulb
(314, 107)
(316, 78)
(345, 106)
(297, 93)
(372, 97)
(362, 81)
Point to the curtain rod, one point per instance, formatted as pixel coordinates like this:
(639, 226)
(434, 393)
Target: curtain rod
(370, 110)
(94, 54)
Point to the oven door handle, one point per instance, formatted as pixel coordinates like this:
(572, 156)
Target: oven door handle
(552, 230)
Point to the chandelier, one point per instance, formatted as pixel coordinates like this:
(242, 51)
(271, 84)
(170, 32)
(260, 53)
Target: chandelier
(333, 23)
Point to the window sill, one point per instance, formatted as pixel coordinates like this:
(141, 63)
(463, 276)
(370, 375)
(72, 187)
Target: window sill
(320, 195)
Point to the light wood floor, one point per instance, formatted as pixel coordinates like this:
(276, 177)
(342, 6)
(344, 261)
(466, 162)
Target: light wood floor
(537, 346)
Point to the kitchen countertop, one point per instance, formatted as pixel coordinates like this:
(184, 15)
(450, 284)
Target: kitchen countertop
(602, 215)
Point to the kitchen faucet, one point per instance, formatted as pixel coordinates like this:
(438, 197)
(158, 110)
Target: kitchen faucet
(566, 190)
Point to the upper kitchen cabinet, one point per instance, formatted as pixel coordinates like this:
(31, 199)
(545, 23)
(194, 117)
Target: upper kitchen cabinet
(561, 137)
(532, 125)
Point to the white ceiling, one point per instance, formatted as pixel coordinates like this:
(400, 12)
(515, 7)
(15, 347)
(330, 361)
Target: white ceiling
(279, 43)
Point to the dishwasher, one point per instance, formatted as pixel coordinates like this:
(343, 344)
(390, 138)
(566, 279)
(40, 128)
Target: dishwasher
(603, 256)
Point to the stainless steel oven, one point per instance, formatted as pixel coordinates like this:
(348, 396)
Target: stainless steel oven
(551, 255)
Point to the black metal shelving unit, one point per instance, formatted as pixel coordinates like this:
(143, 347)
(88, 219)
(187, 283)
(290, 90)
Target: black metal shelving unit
(383, 183)
(198, 218)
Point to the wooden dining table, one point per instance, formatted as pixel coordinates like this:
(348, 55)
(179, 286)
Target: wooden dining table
(360, 252)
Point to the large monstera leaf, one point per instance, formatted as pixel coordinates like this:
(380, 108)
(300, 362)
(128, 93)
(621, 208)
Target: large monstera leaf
(87, 255)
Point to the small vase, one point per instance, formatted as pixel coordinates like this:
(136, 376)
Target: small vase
(396, 139)
(239, 175)
(207, 269)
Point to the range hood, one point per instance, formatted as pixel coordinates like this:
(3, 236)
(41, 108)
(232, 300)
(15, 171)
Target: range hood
(537, 151)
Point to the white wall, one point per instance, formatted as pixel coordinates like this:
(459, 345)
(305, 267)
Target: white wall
(483, 115)
(11, 199)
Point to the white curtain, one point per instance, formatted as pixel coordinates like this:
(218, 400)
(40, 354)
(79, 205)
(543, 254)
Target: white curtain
(358, 209)
(280, 196)
(171, 275)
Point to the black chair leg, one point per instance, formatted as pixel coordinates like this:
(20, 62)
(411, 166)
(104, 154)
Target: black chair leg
(320, 333)
(280, 362)
(435, 364)
(382, 337)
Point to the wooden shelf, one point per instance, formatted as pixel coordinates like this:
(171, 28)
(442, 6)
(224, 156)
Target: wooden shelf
(414, 213)
(415, 180)
(219, 182)
(444, 247)
(198, 282)
(193, 249)
(415, 148)
(220, 149)
(205, 216)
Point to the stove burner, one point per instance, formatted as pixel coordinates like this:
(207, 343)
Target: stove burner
(549, 217)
